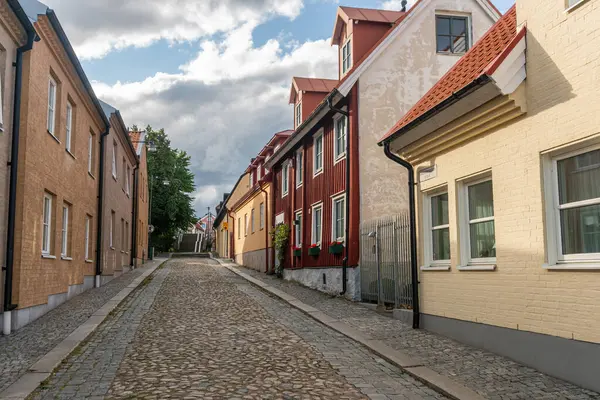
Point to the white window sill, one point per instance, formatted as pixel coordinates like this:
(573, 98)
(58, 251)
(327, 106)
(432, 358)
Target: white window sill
(573, 266)
(53, 137)
(574, 6)
(284, 194)
(478, 267)
(319, 172)
(49, 257)
(114, 177)
(89, 261)
(447, 53)
(66, 258)
(112, 248)
(436, 268)
(339, 157)
(122, 251)
(298, 186)
(71, 154)
(92, 175)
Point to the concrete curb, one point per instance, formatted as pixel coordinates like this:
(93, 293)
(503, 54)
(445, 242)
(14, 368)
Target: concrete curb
(411, 366)
(44, 367)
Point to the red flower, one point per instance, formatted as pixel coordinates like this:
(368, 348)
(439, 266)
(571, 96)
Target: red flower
(312, 246)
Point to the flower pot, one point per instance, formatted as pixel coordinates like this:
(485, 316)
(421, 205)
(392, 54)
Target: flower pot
(337, 248)
(314, 251)
(297, 252)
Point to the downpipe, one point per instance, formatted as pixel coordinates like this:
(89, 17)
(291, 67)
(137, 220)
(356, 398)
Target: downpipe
(100, 207)
(413, 231)
(347, 200)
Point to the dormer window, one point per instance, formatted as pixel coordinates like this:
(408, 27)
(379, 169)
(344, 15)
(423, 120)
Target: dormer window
(258, 172)
(347, 56)
(452, 34)
(298, 114)
(251, 180)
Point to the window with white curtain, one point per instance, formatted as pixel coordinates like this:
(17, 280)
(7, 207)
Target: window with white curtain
(69, 126)
(298, 229)
(438, 229)
(47, 224)
(52, 89)
(64, 248)
(480, 218)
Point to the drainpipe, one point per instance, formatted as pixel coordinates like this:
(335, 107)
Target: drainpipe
(134, 213)
(266, 227)
(100, 206)
(413, 231)
(347, 200)
(14, 164)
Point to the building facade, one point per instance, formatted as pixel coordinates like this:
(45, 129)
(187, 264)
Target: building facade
(505, 150)
(387, 60)
(141, 206)
(120, 161)
(57, 168)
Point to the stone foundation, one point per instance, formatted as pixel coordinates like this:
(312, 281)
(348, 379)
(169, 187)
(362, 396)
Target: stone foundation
(327, 280)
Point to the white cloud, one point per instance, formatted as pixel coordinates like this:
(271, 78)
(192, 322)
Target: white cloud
(99, 27)
(394, 5)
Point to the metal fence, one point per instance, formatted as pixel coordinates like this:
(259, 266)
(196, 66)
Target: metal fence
(385, 261)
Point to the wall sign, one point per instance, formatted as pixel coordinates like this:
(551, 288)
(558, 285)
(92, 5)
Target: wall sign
(428, 173)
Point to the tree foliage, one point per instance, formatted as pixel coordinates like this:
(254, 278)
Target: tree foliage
(171, 187)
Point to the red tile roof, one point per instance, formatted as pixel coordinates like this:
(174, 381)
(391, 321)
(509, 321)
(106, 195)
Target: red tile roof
(135, 139)
(311, 85)
(482, 58)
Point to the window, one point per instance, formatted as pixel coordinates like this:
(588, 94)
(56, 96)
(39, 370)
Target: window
(437, 234)
(250, 179)
(47, 224)
(245, 224)
(285, 179)
(298, 229)
(51, 105)
(299, 167)
(239, 228)
(69, 126)
(452, 34)
(64, 248)
(88, 222)
(573, 3)
(111, 231)
(341, 129)
(479, 228)
(114, 160)
(347, 56)
(252, 220)
(318, 154)
(126, 237)
(122, 234)
(317, 223)
(577, 205)
(91, 154)
(298, 114)
(258, 170)
(262, 215)
(338, 218)
(127, 180)
(1, 108)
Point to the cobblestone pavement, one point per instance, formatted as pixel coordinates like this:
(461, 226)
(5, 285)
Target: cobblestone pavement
(23, 348)
(492, 376)
(198, 331)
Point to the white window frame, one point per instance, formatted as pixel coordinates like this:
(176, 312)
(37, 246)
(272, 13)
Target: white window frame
(90, 153)
(299, 170)
(318, 135)
(251, 179)
(285, 179)
(47, 225)
(239, 228)
(428, 229)
(298, 114)
(245, 224)
(258, 172)
(111, 234)
(64, 247)
(314, 207)
(298, 229)
(69, 126)
(334, 237)
(127, 180)
(468, 34)
(347, 56)
(267, 159)
(87, 237)
(261, 212)
(468, 263)
(51, 116)
(252, 216)
(114, 161)
(337, 154)
(556, 258)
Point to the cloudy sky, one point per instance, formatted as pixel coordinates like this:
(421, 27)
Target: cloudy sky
(214, 73)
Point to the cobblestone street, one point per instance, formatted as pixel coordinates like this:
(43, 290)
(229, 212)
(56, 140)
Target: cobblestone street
(195, 330)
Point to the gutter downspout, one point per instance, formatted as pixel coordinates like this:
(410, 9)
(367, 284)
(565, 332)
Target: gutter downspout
(266, 230)
(12, 196)
(100, 206)
(347, 200)
(413, 231)
(134, 214)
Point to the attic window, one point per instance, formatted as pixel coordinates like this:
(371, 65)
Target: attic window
(347, 56)
(452, 34)
(298, 114)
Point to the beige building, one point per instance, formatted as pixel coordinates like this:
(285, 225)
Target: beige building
(506, 153)
(120, 161)
(140, 229)
(57, 168)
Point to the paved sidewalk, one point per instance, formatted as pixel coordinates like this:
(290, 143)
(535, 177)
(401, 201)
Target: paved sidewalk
(20, 350)
(492, 376)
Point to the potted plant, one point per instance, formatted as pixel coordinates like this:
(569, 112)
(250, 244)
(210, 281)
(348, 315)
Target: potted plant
(297, 251)
(336, 247)
(314, 250)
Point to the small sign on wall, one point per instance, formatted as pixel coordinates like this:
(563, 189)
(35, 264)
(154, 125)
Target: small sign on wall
(428, 173)
(279, 219)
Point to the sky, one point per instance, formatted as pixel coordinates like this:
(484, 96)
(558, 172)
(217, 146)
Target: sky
(215, 74)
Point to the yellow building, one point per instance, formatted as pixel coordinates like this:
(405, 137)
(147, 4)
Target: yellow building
(244, 220)
(506, 156)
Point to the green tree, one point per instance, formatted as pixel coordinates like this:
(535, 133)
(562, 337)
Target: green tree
(171, 186)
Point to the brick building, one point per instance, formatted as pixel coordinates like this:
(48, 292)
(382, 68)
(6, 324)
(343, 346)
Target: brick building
(506, 156)
(61, 122)
(120, 161)
(140, 229)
